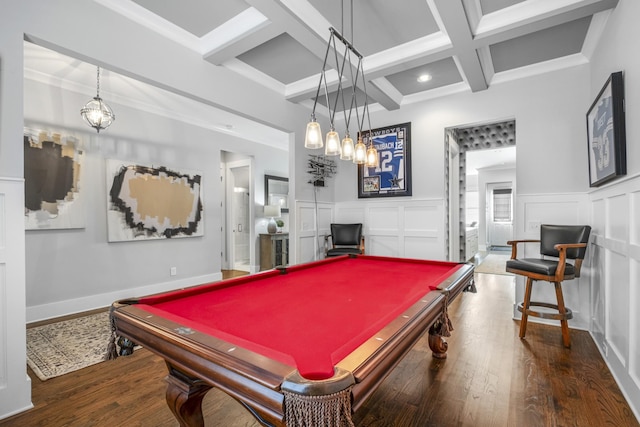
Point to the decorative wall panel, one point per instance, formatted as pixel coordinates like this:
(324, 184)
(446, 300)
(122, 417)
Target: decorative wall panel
(312, 224)
(531, 212)
(634, 321)
(615, 284)
(407, 228)
(15, 385)
(383, 218)
(4, 310)
(383, 246)
(152, 202)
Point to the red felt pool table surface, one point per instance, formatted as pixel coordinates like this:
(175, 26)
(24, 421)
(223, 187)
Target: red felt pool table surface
(310, 318)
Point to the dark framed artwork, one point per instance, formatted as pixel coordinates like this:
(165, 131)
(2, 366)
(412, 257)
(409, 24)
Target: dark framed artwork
(276, 192)
(392, 176)
(606, 136)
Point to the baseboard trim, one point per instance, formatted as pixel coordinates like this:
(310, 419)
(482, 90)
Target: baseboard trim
(77, 305)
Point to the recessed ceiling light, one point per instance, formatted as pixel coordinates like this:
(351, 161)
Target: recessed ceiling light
(424, 78)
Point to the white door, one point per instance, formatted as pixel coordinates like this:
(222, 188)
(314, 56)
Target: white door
(499, 214)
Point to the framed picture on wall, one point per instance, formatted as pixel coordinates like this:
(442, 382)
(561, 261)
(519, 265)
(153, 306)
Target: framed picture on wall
(392, 176)
(54, 184)
(606, 136)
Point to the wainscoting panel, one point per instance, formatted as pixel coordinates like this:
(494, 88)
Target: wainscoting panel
(383, 219)
(399, 227)
(352, 215)
(634, 321)
(531, 212)
(4, 308)
(615, 282)
(306, 216)
(312, 224)
(617, 295)
(15, 385)
(383, 246)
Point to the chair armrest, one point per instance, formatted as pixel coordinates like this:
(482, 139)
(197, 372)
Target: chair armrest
(362, 245)
(327, 246)
(514, 245)
(562, 254)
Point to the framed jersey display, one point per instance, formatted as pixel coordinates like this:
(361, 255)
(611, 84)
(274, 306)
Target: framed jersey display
(606, 133)
(392, 176)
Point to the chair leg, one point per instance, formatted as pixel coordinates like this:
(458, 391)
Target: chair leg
(525, 307)
(566, 339)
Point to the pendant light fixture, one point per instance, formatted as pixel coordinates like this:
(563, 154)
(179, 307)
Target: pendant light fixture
(351, 60)
(96, 113)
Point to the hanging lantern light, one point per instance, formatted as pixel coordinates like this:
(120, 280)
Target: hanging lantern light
(96, 113)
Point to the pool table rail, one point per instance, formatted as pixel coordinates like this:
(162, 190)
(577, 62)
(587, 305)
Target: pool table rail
(250, 378)
(198, 361)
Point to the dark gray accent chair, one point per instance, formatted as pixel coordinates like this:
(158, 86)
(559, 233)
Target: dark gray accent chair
(345, 239)
(558, 243)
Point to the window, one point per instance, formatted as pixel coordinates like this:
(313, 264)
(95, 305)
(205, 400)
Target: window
(502, 205)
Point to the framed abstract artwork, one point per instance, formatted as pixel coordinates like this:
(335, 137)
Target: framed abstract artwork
(606, 135)
(53, 172)
(392, 176)
(152, 202)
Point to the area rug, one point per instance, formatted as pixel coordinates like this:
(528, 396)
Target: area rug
(62, 347)
(494, 264)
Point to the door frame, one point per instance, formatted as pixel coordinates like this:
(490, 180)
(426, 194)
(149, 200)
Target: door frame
(228, 230)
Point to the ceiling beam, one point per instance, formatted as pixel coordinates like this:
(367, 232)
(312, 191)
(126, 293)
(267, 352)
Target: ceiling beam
(248, 41)
(534, 15)
(453, 18)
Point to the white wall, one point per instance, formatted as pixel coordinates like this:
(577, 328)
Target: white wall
(76, 270)
(549, 113)
(64, 25)
(615, 214)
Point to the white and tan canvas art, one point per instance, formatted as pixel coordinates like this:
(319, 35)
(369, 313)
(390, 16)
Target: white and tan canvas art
(152, 202)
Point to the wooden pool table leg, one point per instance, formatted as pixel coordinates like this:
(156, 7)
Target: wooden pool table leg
(184, 397)
(438, 345)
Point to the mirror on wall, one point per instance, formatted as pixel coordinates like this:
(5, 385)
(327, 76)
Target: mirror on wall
(276, 192)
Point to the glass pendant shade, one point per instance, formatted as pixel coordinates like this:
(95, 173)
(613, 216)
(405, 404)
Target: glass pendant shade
(347, 148)
(332, 143)
(372, 158)
(360, 152)
(97, 114)
(313, 137)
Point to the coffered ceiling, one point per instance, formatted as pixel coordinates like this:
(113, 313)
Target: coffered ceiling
(463, 45)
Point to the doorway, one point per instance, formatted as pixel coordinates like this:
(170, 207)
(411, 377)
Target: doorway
(499, 218)
(237, 212)
(472, 139)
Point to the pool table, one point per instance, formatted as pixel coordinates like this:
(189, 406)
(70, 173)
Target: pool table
(298, 346)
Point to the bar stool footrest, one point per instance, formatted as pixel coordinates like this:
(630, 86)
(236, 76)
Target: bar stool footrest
(555, 316)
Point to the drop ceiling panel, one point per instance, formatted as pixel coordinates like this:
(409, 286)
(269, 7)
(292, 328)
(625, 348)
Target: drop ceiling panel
(552, 43)
(198, 17)
(379, 24)
(283, 58)
(443, 73)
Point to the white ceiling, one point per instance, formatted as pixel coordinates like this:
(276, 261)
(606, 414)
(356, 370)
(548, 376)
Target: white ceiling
(465, 45)
(482, 160)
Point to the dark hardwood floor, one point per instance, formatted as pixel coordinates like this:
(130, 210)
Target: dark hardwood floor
(490, 378)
